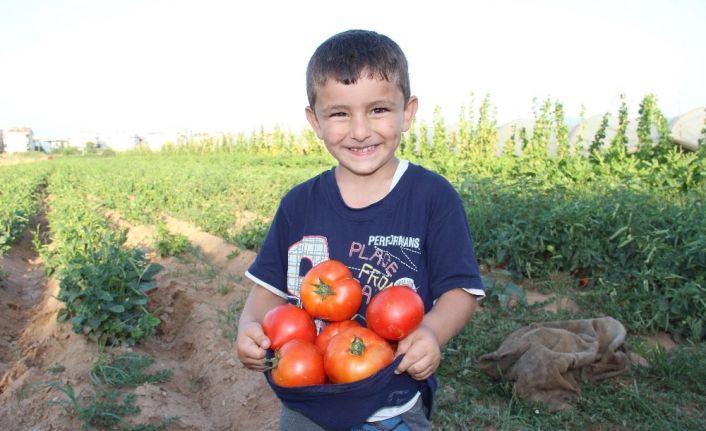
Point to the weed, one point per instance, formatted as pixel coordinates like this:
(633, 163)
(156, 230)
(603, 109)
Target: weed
(168, 244)
(56, 369)
(228, 319)
(503, 293)
(198, 384)
(224, 287)
(200, 265)
(127, 369)
(105, 406)
(104, 409)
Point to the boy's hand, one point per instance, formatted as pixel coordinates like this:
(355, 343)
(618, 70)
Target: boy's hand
(422, 353)
(422, 348)
(252, 346)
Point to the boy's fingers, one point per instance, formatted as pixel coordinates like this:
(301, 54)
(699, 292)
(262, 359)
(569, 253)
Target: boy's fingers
(402, 366)
(406, 362)
(263, 342)
(421, 370)
(402, 347)
(253, 357)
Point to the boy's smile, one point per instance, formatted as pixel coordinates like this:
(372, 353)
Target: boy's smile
(361, 124)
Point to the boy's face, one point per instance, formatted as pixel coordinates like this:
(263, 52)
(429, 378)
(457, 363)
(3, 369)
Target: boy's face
(362, 123)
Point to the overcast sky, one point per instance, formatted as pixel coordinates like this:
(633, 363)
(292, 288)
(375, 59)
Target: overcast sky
(138, 66)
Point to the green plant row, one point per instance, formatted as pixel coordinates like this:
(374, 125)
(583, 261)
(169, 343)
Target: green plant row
(635, 229)
(20, 189)
(475, 135)
(102, 284)
(233, 196)
(633, 225)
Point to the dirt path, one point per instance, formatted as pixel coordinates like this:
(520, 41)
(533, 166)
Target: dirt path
(209, 390)
(21, 287)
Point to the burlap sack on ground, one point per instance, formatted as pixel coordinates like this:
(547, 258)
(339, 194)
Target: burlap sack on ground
(547, 360)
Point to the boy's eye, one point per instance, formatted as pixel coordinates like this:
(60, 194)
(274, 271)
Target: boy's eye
(379, 110)
(337, 114)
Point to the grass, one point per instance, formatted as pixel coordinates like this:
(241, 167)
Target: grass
(667, 395)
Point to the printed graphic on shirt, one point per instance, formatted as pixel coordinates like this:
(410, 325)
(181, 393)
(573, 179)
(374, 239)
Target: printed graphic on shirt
(312, 248)
(378, 263)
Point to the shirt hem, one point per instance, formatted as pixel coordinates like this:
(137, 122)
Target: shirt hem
(266, 285)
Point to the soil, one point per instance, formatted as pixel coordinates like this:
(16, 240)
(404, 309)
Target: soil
(209, 389)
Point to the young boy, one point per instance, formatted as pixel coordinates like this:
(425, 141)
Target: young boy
(390, 221)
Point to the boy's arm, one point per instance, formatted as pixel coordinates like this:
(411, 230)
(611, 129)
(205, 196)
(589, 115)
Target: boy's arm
(422, 348)
(252, 342)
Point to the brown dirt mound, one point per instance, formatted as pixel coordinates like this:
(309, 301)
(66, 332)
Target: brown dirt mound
(209, 390)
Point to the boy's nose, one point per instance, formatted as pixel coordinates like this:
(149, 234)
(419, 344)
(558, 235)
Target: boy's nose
(360, 129)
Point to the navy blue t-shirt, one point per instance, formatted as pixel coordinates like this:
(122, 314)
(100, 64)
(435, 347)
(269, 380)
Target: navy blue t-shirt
(417, 235)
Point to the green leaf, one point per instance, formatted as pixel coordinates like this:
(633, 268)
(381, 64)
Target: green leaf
(105, 296)
(151, 271)
(116, 308)
(146, 287)
(140, 301)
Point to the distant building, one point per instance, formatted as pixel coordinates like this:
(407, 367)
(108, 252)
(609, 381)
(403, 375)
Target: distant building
(2, 143)
(19, 140)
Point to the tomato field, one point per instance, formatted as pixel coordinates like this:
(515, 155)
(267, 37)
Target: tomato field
(135, 262)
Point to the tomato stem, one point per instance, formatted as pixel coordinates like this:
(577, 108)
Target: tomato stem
(323, 290)
(272, 362)
(357, 346)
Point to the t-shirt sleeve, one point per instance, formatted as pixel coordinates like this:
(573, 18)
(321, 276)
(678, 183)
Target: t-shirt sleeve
(269, 269)
(451, 257)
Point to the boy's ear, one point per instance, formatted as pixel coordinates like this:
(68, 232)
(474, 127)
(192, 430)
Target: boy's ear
(311, 118)
(409, 111)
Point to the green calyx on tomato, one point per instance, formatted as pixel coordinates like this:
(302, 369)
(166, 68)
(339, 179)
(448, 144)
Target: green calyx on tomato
(329, 291)
(355, 354)
(323, 290)
(331, 330)
(357, 346)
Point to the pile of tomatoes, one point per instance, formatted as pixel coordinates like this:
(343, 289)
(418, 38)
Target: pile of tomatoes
(344, 351)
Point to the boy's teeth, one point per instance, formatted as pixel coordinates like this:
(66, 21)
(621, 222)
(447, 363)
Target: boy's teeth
(364, 149)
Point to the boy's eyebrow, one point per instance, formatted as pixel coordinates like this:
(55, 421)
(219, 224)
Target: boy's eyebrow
(334, 107)
(383, 101)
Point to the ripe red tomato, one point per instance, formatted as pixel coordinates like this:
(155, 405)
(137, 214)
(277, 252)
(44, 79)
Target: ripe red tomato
(330, 292)
(395, 312)
(287, 322)
(333, 329)
(355, 354)
(298, 363)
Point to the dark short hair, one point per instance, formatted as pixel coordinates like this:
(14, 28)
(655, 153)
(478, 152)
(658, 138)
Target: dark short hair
(346, 55)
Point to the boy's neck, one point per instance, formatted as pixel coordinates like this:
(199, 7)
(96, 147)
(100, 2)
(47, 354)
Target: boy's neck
(360, 191)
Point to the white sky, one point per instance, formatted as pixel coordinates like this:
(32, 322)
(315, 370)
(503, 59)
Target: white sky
(69, 66)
